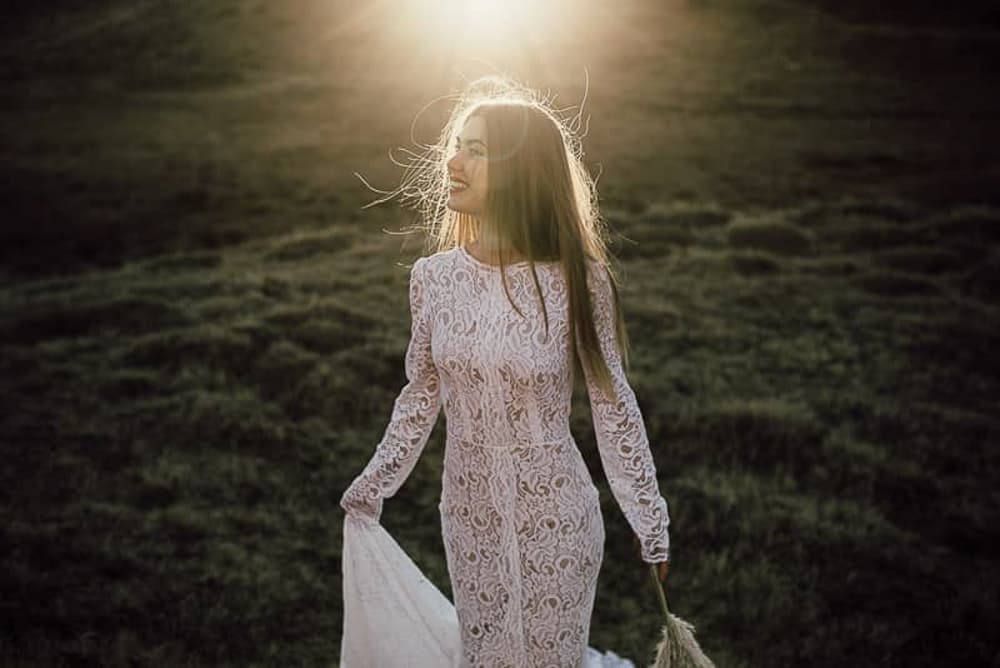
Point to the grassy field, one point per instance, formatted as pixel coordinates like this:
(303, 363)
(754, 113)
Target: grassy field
(807, 216)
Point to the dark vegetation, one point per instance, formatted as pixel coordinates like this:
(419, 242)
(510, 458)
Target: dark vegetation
(202, 334)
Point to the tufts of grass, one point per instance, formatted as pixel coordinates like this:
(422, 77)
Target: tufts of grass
(690, 216)
(348, 393)
(349, 385)
(125, 315)
(282, 365)
(658, 230)
(804, 538)
(864, 235)
(761, 434)
(982, 281)
(841, 265)
(322, 326)
(827, 213)
(976, 224)
(755, 263)
(639, 244)
(226, 420)
(128, 384)
(326, 336)
(889, 283)
(168, 264)
(294, 315)
(307, 246)
(209, 345)
(922, 259)
(702, 263)
(769, 234)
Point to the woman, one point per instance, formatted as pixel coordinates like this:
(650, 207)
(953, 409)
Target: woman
(520, 271)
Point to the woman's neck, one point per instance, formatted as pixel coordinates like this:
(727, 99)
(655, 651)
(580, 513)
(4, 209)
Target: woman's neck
(488, 244)
(488, 240)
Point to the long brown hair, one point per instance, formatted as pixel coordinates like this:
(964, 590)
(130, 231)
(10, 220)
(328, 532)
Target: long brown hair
(541, 202)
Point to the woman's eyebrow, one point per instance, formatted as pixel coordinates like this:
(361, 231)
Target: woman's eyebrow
(472, 141)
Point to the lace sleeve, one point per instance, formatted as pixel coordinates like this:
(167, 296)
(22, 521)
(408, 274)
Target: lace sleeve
(413, 416)
(621, 435)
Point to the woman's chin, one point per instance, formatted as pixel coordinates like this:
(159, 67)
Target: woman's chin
(461, 202)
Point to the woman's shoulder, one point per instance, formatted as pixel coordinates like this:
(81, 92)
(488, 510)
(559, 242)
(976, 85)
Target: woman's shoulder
(436, 262)
(431, 269)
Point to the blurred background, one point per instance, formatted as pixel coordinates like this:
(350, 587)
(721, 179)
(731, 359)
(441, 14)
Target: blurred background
(202, 331)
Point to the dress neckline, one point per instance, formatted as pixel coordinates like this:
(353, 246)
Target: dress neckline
(496, 267)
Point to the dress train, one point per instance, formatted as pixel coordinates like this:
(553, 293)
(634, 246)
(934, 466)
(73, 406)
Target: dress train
(395, 616)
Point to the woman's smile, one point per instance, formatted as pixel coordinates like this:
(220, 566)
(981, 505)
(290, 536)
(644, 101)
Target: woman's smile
(468, 169)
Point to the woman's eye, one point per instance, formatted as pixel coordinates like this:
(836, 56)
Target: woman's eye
(479, 153)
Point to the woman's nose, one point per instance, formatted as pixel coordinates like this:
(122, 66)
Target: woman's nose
(455, 162)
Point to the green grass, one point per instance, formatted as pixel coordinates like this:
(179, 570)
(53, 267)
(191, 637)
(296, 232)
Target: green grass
(202, 334)
(774, 236)
(173, 463)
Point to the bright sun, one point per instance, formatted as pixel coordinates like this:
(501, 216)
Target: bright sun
(491, 22)
(485, 12)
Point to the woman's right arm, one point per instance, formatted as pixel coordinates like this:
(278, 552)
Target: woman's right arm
(413, 417)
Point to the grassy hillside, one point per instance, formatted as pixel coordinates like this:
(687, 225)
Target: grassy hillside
(132, 129)
(178, 432)
(192, 370)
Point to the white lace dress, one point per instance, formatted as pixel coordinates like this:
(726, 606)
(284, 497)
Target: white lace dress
(520, 515)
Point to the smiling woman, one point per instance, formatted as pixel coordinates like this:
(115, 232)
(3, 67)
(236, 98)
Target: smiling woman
(499, 348)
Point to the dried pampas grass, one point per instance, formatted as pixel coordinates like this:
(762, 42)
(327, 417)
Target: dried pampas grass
(678, 648)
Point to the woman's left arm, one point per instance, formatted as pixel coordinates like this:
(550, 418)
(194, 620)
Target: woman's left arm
(414, 413)
(621, 436)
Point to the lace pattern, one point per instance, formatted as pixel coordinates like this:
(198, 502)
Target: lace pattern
(621, 437)
(521, 519)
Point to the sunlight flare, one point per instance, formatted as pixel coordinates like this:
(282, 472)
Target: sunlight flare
(496, 22)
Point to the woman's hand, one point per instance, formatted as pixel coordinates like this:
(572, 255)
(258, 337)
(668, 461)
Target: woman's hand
(662, 567)
(356, 502)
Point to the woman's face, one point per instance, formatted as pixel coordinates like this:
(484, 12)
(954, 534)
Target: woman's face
(467, 169)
